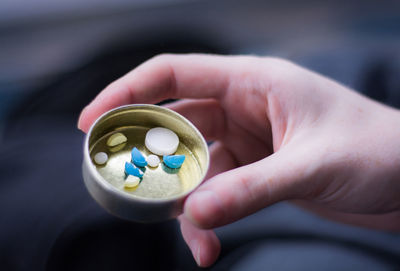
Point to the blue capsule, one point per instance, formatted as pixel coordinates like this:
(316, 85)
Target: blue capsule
(130, 169)
(173, 161)
(137, 158)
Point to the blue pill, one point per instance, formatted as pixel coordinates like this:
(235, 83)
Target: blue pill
(173, 161)
(130, 169)
(137, 158)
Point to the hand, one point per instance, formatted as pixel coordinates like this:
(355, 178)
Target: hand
(281, 132)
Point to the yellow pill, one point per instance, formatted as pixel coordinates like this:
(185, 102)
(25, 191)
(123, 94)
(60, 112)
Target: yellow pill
(116, 139)
(117, 148)
(131, 181)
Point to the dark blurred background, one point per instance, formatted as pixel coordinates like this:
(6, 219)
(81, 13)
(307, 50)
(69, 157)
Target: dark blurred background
(56, 56)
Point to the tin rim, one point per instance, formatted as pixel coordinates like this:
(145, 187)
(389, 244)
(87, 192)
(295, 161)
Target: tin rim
(111, 189)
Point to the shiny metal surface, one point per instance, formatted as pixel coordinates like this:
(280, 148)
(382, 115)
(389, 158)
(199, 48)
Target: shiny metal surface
(161, 193)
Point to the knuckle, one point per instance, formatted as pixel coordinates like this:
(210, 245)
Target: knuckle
(246, 184)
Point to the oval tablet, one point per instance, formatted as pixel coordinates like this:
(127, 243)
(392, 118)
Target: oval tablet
(116, 139)
(161, 141)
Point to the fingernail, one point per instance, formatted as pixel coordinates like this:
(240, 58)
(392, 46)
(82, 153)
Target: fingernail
(80, 118)
(195, 248)
(204, 208)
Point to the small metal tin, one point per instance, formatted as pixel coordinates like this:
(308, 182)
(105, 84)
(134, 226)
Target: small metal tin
(162, 191)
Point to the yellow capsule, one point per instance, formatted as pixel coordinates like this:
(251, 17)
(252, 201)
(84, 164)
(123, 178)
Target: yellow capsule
(117, 148)
(131, 181)
(116, 139)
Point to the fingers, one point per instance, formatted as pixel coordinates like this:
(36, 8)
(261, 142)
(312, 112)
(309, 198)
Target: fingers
(210, 118)
(221, 160)
(204, 244)
(234, 194)
(165, 76)
(206, 114)
(386, 222)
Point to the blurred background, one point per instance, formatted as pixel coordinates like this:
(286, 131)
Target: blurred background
(55, 56)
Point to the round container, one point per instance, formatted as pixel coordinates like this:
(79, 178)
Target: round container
(162, 191)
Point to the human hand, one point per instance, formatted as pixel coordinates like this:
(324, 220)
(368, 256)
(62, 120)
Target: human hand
(280, 132)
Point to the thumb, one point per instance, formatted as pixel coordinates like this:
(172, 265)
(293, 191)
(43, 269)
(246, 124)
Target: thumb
(237, 193)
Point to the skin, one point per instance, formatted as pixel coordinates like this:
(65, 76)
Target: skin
(280, 132)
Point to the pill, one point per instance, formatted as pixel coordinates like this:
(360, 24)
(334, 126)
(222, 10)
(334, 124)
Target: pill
(161, 141)
(153, 160)
(137, 158)
(101, 158)
(117, 148)
(116, 139)
(131, 181)
(130, 169)
(173, 161)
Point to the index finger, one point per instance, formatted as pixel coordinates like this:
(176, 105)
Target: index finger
(162, 77)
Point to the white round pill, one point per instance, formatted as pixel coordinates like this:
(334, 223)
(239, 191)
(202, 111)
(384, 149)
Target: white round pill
(153, 160)
(131, 181)
(161, 141)
(101, 158)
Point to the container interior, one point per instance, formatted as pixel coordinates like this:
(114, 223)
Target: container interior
(134, 122)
